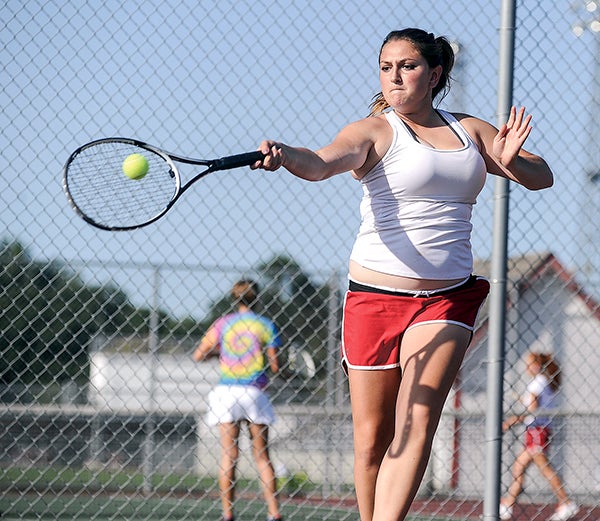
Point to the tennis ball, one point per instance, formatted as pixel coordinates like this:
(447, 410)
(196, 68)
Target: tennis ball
(135, 166)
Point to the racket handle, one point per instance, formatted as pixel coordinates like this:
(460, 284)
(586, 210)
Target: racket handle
(227, 162)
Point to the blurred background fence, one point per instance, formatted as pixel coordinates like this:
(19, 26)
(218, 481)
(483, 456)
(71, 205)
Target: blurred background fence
(99, 397)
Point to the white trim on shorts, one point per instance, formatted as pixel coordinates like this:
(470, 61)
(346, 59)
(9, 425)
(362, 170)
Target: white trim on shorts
(450, 322)
(418, 293)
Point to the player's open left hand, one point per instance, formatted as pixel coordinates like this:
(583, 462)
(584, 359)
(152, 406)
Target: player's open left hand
(511, 136)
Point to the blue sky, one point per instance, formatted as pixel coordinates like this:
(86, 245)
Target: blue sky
(215, 82)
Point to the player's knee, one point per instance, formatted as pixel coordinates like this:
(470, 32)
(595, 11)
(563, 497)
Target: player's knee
(370, 446)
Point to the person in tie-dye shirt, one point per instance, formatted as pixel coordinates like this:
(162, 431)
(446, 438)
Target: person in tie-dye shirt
(247, 345)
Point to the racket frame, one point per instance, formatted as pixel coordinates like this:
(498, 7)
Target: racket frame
(212, 165)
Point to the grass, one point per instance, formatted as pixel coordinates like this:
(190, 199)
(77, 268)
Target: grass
(86, 494)
(84, 507)
(100, 507)
(126, 481)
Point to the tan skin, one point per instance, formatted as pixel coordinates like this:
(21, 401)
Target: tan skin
(229, 434)
(392, 450)
(527, 457)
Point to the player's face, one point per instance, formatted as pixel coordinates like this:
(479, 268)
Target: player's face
(532, 366)
(406, 78)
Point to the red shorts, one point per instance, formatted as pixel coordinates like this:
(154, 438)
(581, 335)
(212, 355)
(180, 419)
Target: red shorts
(374, 322)
(537, 439)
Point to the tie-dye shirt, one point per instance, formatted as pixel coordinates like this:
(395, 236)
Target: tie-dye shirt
(243, 338)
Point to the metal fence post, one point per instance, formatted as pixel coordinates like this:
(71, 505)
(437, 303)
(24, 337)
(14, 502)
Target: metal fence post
(149, 423)
(495, 369)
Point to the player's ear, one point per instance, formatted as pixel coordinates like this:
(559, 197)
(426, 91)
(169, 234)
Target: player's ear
(434, 78)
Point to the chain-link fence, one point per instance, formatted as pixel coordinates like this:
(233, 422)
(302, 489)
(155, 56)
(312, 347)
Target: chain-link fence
(101, 406)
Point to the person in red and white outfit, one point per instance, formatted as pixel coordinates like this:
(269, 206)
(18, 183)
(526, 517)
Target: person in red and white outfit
(541, 395)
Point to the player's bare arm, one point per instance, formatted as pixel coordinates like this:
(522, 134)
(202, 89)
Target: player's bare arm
(353, 149)
(503, 153)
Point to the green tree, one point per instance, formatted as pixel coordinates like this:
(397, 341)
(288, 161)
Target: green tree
(49, 317)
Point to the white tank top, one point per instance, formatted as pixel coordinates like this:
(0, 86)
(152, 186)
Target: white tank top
(416, 207)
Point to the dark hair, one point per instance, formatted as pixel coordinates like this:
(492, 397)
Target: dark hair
(245, 292)
(548, 366)
(436, 51)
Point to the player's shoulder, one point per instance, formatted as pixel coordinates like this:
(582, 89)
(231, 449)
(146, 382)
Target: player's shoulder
(472, 123)
(481, 131)
(258, 317)
(366, 131)
(368, 124)
(463, 118)
(537, 384)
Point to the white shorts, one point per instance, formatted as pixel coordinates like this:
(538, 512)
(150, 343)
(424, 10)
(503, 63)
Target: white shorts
(233, 403)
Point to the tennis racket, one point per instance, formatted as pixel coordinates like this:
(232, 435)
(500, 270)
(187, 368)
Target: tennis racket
(100, 192)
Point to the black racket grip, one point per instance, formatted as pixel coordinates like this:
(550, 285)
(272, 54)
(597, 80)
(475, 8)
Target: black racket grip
(227, 162)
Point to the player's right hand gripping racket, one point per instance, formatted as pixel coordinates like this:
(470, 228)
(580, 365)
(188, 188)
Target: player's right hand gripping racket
(106, 198)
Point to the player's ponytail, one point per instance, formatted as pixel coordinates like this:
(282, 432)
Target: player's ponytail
(446, 53)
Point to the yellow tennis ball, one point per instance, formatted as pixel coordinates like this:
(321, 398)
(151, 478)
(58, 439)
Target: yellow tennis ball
(135, 166)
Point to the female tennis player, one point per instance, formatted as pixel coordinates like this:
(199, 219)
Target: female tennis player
(412, 302)
(541, 394)
(247, 345)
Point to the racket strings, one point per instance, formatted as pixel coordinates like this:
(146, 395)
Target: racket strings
(103, 193)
